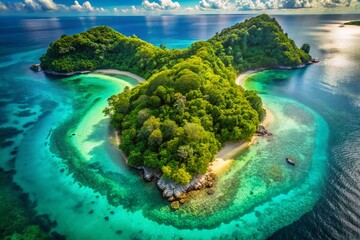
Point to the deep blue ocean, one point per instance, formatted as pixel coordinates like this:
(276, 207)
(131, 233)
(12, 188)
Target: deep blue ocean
(32, 105)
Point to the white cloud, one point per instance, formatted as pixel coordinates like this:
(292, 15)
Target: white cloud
(192, 9)
(302, 4)
(272, 4)
(147, 6)
(3, 7)
(85, 7)
(134, 9)
(245, 5)
(157, 6)
(162, 5)
(236, 5)
(214, 4)
(32, 5)
(49, 5)
(329, 3)
(169, 4)
(150, 5)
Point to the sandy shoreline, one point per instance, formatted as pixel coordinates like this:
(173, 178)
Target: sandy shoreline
(242, 76)
(226, 155)
(104, 71)
(240, 79)
(124, 73)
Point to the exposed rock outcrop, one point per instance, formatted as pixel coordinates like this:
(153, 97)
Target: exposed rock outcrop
(177, 192)
(151, 174)
(36, 67)
(262, 131)
(65, 74)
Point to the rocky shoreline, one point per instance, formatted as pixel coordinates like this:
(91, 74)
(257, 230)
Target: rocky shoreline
(37, 68)
(176, 193)
(65, 74)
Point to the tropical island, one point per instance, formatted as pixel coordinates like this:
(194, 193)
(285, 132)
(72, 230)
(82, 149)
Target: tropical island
(176, 122)
(354, 22)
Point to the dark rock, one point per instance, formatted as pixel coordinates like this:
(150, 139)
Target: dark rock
(169, 189)
(91, 211)
(106, 218)
(261, 131)
(150, 173)
(209, 184)
(118, 232)
(36, 67)
(168, 193)
(210, 191)
(65, 74)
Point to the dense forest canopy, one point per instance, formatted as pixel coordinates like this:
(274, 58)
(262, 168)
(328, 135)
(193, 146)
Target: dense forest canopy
(190, 105)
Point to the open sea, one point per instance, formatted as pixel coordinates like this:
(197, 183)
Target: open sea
(316, 121)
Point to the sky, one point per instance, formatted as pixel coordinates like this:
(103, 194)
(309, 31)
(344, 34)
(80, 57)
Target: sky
(159, 7)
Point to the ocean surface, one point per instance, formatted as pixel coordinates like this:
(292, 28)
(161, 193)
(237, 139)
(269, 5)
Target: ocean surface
(316, 121)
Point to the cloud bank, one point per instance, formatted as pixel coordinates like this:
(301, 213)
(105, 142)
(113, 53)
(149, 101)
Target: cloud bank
(172, 6)
(236, 5)
(48, 6)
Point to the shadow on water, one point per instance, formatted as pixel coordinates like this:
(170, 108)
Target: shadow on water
(98, 132)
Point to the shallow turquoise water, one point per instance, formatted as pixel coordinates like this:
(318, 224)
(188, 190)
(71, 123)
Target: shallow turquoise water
(264, 184)
(250, 202)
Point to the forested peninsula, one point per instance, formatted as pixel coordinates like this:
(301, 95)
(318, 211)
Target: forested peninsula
(190, 106)
(354, 22)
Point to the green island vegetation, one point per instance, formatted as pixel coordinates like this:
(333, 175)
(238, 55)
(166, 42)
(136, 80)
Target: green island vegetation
(354, 22)
(190, 106)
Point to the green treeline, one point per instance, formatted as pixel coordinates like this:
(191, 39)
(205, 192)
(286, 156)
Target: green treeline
(180, 117)
(354, 22)
(190, 105)
(257, 42)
